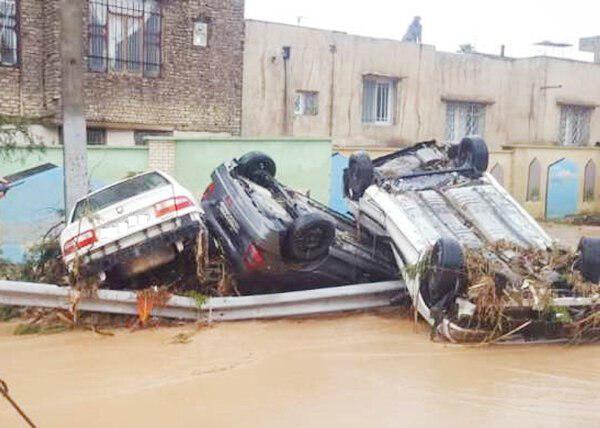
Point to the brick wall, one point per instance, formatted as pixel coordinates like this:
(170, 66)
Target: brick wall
(199, 89)
(21, 88)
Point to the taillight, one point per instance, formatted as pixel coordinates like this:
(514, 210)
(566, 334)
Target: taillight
(173, 204)
(253, 259)
(82, 240)
(209, 191)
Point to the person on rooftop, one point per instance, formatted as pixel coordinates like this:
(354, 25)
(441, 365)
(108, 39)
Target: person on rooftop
(414, 32)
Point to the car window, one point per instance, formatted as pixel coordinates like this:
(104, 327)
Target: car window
(118, 192)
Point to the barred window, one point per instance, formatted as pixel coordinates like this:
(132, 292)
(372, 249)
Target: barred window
(125, 35)
(589, 181)
(379, 95)
(8, 33)
(574, 125)
(464, 119)
(306, 103)
(534, 181)
(96, 136)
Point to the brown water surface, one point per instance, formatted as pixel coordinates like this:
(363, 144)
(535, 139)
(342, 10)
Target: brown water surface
(359, 370)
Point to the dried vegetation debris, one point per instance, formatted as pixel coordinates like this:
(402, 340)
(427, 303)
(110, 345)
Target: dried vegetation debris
(200, 274)
(514, 290)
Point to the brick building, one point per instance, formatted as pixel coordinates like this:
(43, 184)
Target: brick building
(152, 67)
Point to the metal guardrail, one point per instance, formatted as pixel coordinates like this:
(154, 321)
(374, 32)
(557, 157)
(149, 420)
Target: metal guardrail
(310, 302)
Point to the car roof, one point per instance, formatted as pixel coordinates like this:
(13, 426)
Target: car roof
(124, 180)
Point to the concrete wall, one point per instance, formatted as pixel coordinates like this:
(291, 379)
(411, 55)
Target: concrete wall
(302, 164)
(106, 164)
(522, 156)
(522, 96)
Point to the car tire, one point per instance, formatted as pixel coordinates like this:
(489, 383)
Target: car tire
(473, 153)
(255, 165)
(358, 176)
(589, 250)
(446, 267)
(309, 238)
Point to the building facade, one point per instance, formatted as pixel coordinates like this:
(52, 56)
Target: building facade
(153, 67)
(379, 95)
(374, 92)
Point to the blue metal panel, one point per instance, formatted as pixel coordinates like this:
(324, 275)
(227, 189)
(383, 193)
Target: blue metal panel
(562, 197)
(336, 199)
(29, 210)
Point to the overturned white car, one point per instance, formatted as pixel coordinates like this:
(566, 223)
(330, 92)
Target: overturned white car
(478, 267)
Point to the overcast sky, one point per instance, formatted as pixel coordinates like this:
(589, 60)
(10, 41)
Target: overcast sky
(448, 24)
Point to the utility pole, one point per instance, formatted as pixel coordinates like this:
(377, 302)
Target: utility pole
(73, 108)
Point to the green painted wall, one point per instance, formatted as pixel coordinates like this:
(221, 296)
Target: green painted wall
(301, 164)
(105, 164)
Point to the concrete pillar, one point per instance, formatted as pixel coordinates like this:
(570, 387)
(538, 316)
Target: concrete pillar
(161, 155)
(73, 108)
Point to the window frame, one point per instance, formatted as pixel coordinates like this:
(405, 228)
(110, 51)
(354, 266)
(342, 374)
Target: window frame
(567, 112)
(373, 118)
(103, 131)
(301, 95)
(455, 106)
(106, 57)
(17, 30)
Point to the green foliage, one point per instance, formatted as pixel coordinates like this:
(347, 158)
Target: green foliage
(198, 297)
(14, 131)
(8, 313)
(25, 329)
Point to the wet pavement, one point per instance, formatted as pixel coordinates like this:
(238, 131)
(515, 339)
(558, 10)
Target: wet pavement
(375, 369)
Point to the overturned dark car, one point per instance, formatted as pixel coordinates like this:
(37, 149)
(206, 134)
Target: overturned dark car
(277, 239)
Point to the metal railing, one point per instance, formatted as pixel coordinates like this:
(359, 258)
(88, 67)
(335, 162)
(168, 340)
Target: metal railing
(309, 302)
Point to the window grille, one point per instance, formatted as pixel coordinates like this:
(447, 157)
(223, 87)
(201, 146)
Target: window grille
(9, 45)
(96, 136)
(589, 182)
(574, 125)
(306, 103)
(534, 181)
(125, 35)
(378, 100)
(464, 119)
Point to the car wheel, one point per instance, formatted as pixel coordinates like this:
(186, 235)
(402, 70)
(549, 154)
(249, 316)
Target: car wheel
(255, 165)
(309, 237)
(446, 267)
(358, 176)
(589, 250)
(473, 153)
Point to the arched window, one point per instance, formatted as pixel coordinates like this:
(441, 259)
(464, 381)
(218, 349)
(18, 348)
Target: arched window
(589, 181)
(498, 173)
(534, 179)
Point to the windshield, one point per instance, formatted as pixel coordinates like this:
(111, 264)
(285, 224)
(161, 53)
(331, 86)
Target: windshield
(119, 192)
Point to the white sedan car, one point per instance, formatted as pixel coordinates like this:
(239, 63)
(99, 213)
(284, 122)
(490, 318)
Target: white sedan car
(130, 227)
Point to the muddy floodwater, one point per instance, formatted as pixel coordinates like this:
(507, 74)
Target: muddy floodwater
(360, 370)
